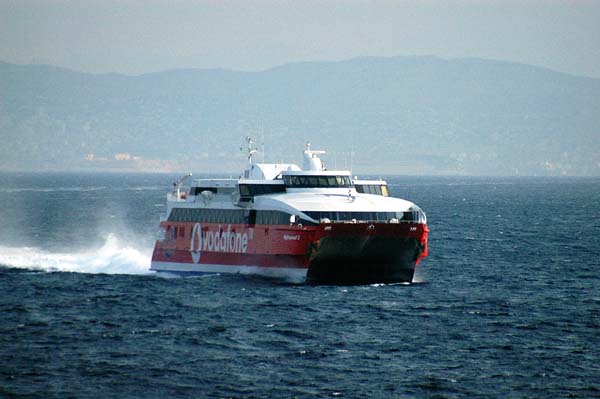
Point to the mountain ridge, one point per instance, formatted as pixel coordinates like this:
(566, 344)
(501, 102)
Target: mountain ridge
(414, 115)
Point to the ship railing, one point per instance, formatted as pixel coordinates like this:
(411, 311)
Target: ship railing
(411, 216)
(355, 221)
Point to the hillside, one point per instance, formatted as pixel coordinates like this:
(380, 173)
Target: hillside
(404, 115)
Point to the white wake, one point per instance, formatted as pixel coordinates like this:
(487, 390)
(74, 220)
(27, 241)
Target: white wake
(114, 257)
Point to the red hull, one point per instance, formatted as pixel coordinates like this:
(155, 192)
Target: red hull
(329, 253)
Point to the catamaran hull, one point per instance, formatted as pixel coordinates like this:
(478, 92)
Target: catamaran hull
(326, 254)
(364, 260)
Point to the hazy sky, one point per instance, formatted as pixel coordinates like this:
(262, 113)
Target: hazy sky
(135, 37)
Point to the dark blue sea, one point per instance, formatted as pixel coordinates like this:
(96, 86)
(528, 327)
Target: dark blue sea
(507, 305)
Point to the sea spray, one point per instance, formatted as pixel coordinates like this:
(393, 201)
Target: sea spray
(113, 257)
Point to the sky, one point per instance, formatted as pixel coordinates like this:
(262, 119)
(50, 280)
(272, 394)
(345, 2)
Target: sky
(135, 36)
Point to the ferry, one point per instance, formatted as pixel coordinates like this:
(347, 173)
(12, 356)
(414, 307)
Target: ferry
(306, 224)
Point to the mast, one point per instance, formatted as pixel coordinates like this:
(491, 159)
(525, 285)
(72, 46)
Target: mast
(251, 152)
(312, 160)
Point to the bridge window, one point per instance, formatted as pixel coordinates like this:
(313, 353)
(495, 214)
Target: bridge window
(302, 181)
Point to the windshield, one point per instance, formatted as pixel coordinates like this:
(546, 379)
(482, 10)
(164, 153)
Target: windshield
(317, 181)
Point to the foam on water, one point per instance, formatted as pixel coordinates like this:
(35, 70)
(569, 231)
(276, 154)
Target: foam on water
(114, 257)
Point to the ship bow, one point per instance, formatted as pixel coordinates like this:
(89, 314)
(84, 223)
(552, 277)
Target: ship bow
(359, 254)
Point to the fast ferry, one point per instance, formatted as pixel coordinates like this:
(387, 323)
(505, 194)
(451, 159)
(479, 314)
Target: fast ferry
(301, 224)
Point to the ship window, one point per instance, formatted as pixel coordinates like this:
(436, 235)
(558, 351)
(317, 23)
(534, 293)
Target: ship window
(317, 181)
(169, 233)
(272, 217)
(276, 218)
(375, 189)
(225, 190)
(250, 190)
(244, 190)
(363, 216)
(233, 216)
(250, 217)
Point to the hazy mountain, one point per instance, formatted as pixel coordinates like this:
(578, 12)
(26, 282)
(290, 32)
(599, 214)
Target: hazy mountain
(400, 115)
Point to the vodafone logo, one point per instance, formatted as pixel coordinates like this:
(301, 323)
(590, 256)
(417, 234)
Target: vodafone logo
(219, 240)
(196, 239)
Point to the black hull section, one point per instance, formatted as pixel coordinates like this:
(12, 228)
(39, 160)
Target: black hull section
(347, 260)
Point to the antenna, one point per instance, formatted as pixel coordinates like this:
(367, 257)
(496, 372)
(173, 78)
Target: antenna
(251, 151)
(352, 154)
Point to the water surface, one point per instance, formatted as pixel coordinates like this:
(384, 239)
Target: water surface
(506, 305)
